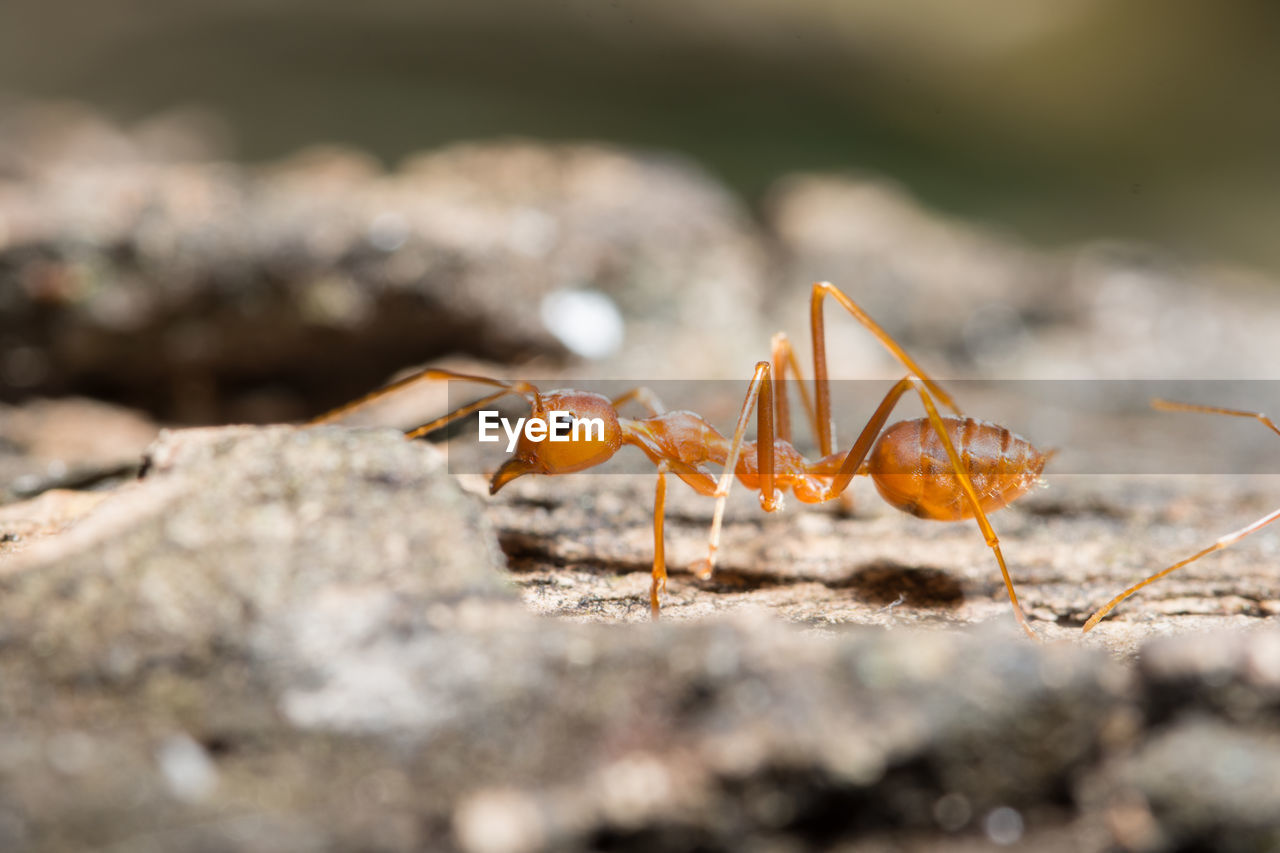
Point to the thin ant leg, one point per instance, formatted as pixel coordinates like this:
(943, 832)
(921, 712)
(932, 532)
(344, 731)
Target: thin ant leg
(979, 515)
(701, 482)
(770, 498)
(424, 375)
(858, 453)
(644, 397)
(460, 412)
(430, 374)
(1170, 406)
(659, 583)
(759, 391)
(1226, 541)
(822, 389)
(867, 438)
(784, 359)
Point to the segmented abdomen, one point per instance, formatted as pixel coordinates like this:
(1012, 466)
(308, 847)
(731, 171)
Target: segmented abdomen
(912, 471)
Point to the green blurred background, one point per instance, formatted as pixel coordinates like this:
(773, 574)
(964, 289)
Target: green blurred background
(1155, 120)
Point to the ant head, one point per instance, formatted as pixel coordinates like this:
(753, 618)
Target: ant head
(586, 434)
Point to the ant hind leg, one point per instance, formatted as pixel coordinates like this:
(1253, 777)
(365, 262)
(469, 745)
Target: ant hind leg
(993, 542)
(1226, 541)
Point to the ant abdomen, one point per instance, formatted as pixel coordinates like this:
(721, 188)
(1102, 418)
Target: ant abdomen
(911, 470)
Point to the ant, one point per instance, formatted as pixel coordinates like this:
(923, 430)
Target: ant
(944, 468)
(1224, 542)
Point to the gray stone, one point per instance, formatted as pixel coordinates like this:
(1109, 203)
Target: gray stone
(228, 531)
(1203, 783)
(70, 443)
(201, 290)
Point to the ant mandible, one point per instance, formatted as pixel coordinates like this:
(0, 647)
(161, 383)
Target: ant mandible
(944, 468)
(1225, 541)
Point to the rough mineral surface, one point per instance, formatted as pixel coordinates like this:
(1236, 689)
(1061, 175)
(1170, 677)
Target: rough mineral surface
(68, 443)
(303, 638)
(205, 291)
(283, 638)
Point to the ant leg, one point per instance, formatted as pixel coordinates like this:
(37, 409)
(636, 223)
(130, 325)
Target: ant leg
(424, 375)
(1170, 406)
(822, 389)
(1225, 541)
(854, 459)
(858, 453)
(659, 584)
(644, 397)
(867, 438)
(428, 374)
(759, 391)
(461, 412)
(784, 358)
(981, 517)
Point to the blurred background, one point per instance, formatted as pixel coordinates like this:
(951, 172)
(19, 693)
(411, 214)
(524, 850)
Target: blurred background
(223, 211)
(1143, 119)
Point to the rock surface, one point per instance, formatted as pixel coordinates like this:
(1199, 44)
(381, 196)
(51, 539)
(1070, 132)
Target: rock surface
(68, 443)
(204, 291)
(330, 638)
(303, 638)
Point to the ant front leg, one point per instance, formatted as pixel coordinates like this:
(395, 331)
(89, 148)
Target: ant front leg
(659, 583)
(759, 397)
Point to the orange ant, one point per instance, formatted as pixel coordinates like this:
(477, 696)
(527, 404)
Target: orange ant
(1226, 541)
(944, 468)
